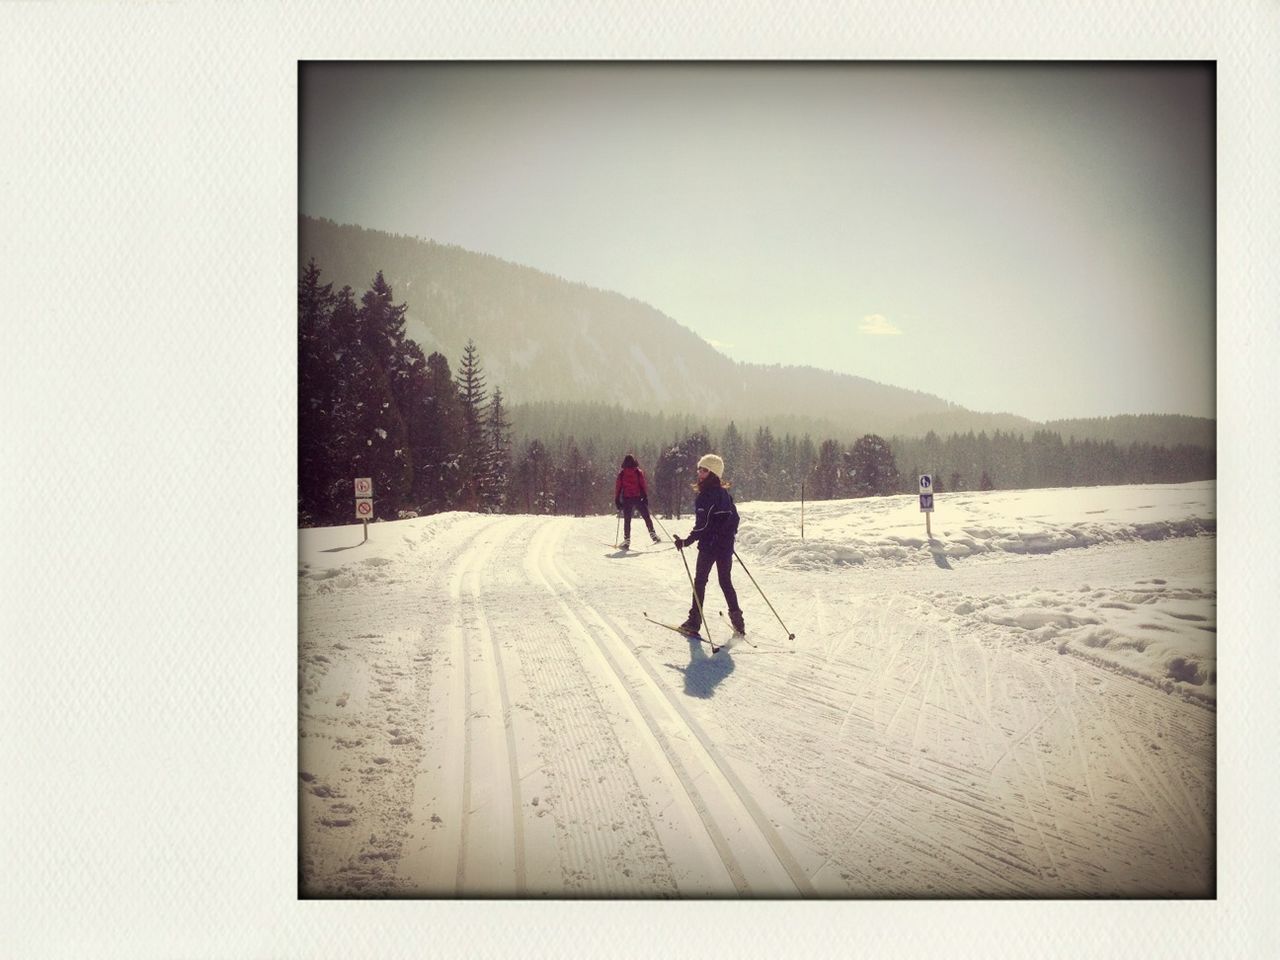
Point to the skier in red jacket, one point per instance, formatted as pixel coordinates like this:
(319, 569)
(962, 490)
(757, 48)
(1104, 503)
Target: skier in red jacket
(630, 493)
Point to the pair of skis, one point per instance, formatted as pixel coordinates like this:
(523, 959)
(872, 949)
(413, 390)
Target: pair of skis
(697, 636)
(656, 548)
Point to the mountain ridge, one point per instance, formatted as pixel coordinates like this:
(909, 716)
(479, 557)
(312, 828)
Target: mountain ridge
(543, 338)
(546, 339)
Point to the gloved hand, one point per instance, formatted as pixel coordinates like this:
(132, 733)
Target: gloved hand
(679, 543)
(645, 501)
(618, 503)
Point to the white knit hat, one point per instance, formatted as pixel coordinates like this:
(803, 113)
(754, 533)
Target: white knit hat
(713, 463)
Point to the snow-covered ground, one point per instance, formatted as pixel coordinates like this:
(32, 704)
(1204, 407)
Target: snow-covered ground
(1023, 705)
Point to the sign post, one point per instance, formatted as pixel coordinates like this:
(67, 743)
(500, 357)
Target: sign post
(801, 509)
(926, 501)
(364, 502)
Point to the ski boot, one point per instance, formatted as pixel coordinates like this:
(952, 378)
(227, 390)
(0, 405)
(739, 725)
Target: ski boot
(656, 538)
(691, 626)
(625, 544)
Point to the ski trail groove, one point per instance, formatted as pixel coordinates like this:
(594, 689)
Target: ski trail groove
(485, 864)
(591, 780)
(1150, 785)
(513, 767)
(766, 830)
(545, 569)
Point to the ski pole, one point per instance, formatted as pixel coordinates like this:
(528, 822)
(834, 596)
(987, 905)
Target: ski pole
(790, 635)
(658, 521)
(616, 528)
(696, 601)
(744, 636)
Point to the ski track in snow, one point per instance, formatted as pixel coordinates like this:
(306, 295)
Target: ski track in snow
(484, 713)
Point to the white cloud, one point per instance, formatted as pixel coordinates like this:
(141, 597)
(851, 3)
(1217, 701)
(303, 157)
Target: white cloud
(879, 326)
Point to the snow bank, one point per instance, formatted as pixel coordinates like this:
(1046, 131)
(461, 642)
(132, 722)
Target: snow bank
(1161, 630)
(891, 530)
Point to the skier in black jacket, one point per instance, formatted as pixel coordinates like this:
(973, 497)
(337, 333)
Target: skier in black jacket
(715, 524)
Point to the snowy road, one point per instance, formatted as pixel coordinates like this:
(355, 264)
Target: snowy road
(484, 712)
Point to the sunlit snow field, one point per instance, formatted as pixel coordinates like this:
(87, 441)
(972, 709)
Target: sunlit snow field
(1160, 626)
(1021, 705)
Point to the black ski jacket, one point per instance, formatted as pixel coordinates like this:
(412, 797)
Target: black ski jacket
(715, 521)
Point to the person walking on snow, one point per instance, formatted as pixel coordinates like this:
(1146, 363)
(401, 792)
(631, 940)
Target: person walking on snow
(630, 493)
(715, 524)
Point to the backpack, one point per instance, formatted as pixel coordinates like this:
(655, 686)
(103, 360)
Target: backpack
(733, 507)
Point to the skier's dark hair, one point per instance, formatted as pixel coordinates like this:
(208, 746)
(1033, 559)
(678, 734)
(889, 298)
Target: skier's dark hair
(629, 461)
(710, 482)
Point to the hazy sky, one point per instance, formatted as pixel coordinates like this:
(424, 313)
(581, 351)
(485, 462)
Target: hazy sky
(1029, 238)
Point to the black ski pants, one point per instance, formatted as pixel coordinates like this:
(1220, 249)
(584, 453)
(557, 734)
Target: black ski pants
(628, 505)
(722, 560)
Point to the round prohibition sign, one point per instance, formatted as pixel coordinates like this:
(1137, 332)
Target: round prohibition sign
(364, 508)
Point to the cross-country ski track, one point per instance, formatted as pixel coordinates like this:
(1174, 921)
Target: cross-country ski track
(484, 713)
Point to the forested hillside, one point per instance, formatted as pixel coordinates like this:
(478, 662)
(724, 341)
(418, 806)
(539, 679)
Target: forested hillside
(437, 432)
(549, 340)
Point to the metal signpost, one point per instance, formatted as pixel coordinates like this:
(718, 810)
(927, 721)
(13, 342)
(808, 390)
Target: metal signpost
(926, 501)
(364, 502)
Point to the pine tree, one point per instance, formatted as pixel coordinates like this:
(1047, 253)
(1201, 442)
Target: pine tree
(387, 455)
(595, 482)
(534, 476)
(498, 430)
(347, 362)
(316, 389)
(825, 477)
(733, 448)
(438, 446)
(475, 461)
(871, 467)
(572, 480)
(369, 435)
(788, 483)
(763, 462)
(679, 469)
(806, 458)
(382, 333)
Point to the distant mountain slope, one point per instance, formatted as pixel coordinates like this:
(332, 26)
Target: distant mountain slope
(1163, 429)
(542, 338)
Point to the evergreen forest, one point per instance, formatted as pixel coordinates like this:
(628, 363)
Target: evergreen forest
(436, 436)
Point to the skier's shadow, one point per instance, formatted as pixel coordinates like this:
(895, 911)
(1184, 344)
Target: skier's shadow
(939, 557)
(704, 672)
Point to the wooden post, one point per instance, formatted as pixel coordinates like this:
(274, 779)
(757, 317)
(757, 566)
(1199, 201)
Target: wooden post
(366, 532)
